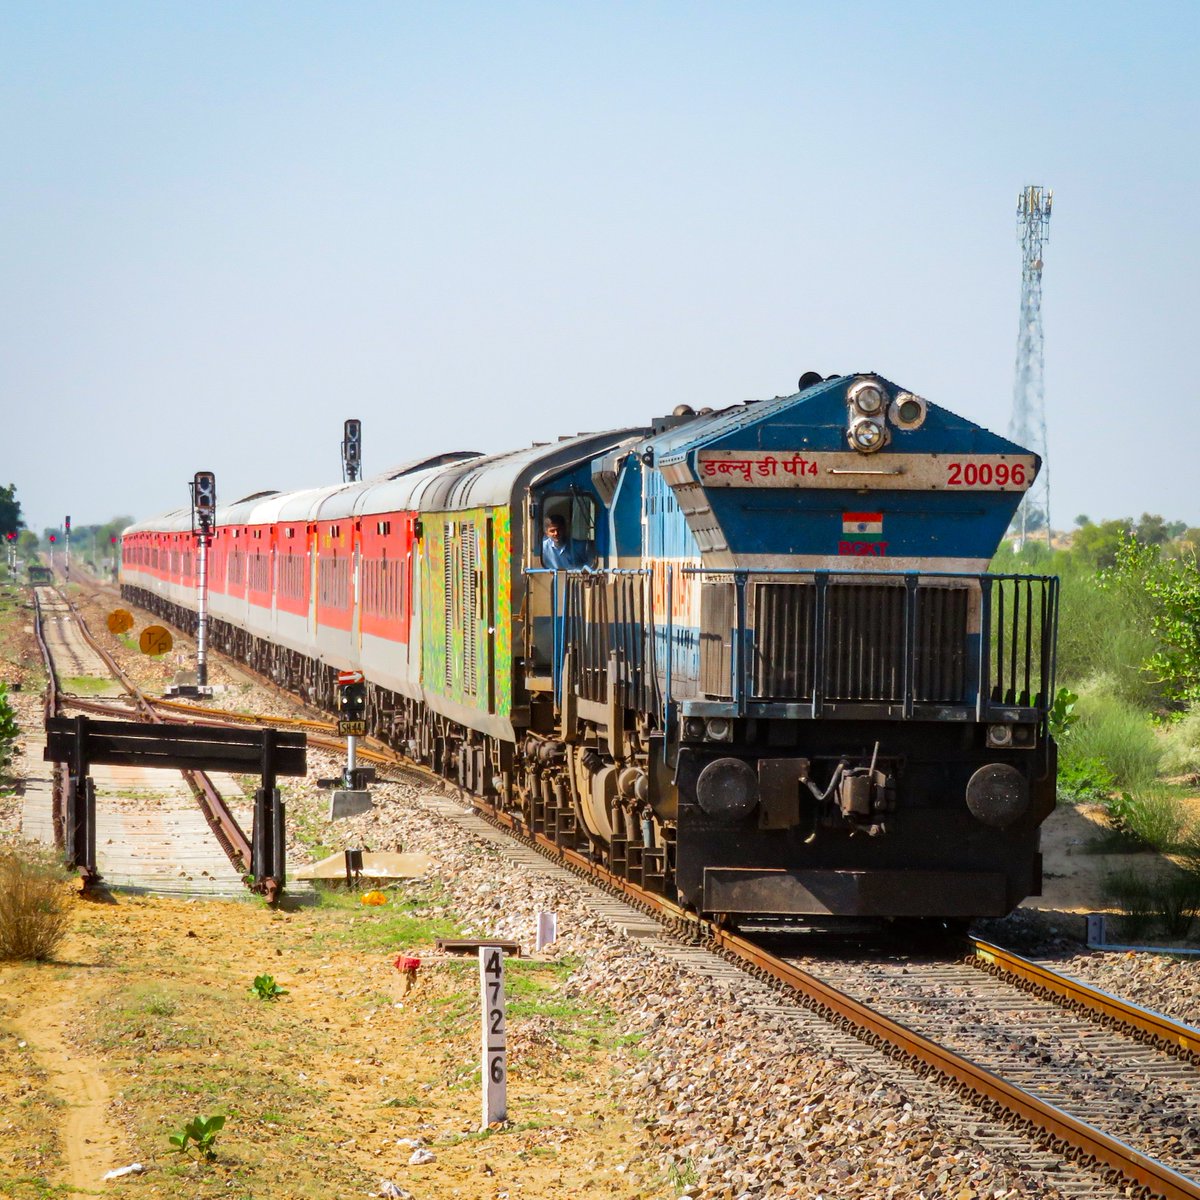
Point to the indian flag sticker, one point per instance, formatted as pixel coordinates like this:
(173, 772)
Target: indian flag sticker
(862, 527)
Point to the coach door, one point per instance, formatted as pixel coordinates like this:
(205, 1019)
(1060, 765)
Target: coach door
(470, 611)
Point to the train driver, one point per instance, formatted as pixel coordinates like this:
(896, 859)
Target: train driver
(562, 552)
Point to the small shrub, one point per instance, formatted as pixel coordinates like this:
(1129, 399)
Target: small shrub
(1181, 744)
(33, 915)
(1133, 893)
(202, 1131)
(265, 988)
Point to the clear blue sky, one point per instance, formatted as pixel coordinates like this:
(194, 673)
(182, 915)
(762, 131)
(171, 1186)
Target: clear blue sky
(226, 227)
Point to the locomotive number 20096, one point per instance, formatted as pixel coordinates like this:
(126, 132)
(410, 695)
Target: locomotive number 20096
(986, 474)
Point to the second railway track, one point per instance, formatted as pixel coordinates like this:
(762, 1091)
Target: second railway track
(150, 833)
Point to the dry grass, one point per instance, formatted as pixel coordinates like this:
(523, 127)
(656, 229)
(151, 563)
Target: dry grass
(33, 913)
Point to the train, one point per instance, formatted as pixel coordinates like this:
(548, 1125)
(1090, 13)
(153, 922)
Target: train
(750, 659)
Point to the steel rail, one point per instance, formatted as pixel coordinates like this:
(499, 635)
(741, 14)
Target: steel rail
(247, 718)
(52, 707)
(216, 813)
(1144, 1023)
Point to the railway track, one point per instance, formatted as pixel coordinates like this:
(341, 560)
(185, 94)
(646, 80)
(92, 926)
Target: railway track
(1108, 1086)
(68, 645)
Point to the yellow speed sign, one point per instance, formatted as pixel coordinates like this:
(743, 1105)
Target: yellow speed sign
(155, 640)
(120, 620)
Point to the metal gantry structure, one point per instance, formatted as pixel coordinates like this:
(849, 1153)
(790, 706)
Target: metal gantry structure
(1028, 425)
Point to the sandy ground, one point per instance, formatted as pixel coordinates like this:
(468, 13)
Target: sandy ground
(1074, 872)
(146, 1019)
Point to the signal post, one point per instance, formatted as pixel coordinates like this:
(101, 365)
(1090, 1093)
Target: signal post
(351, 796)
(204, 521)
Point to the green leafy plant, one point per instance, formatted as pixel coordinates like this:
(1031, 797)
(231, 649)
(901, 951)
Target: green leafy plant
(1062, 713)
(265, 988)
(202, 1131)
(1084, 780)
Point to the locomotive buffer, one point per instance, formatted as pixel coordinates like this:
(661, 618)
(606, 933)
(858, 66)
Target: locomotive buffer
(351, 796)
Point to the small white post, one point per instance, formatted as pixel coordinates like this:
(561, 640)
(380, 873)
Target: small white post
(547, 931)
(494, 1065)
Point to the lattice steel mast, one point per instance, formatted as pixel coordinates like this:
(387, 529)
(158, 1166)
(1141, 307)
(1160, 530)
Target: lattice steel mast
(1028, 425)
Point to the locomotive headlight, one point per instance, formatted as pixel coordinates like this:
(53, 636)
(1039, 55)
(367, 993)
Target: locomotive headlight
(907, 411)
(867, 397)
(866, 435)
(718, 729)
(999, 735)
(693, 729)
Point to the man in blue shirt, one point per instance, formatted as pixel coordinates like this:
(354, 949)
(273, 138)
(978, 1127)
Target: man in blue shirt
(560, 552)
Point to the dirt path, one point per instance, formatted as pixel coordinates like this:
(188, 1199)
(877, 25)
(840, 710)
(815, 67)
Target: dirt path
(91, 1141)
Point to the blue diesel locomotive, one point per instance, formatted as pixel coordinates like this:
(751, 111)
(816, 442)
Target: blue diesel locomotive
(790, 685)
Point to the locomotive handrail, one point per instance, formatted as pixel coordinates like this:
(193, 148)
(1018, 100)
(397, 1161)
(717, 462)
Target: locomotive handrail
(1006, 664)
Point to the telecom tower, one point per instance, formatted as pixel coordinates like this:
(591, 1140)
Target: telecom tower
(1028, 425)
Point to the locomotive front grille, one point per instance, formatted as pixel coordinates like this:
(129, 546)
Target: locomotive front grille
(864, 642)
(784, 640)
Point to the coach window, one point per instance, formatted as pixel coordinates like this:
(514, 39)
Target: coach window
(568, 534)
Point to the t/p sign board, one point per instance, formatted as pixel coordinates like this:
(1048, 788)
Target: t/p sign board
(155, 640)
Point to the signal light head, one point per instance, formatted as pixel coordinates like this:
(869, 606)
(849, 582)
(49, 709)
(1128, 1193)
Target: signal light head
(352, 441)
(204, 491)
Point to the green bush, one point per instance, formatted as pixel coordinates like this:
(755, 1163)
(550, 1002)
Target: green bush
(33, 915)
(1113, 733)
(1152, 817)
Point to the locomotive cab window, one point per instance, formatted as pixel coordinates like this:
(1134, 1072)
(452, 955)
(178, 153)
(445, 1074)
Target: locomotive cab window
(568, 533)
